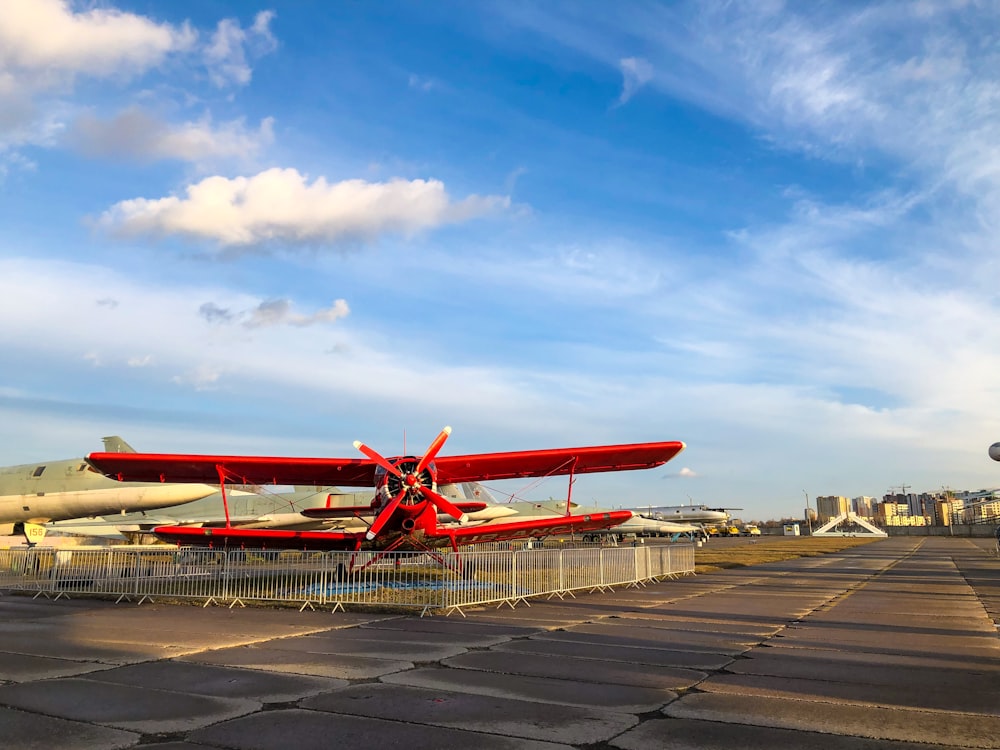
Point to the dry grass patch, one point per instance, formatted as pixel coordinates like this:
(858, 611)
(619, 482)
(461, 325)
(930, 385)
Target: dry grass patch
(708, 559)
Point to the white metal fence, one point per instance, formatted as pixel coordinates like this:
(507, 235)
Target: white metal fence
(430, 581)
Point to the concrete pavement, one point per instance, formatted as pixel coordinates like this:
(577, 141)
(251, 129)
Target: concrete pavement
(889, 645)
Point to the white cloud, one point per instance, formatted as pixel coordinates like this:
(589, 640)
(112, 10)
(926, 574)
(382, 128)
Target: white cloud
(135, 134)
(636, 73)
(422, 83)
(47, 36)
(273, 313)
(45, 45)
(279, 312)
(280, 205)
(226, 54)
(200, 377)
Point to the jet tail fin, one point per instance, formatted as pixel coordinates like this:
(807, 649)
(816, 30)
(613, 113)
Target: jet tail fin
(115, 444)
(476, 491)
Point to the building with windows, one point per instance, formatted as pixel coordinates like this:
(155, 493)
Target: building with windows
(889, 512)
(831, 506)
(864, 506)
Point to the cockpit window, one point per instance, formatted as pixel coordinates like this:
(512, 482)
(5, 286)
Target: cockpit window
(38, 471)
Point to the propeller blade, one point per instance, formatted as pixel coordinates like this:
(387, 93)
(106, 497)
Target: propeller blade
(384, 515)
(377, 458)
(432, 451)
(444, 504)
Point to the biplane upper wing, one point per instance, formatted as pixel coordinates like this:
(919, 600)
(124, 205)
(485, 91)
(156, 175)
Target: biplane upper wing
(360, 472)
(554, 462)
(172, 467)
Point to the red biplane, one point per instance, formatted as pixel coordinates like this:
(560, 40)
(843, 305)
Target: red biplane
(405, 508)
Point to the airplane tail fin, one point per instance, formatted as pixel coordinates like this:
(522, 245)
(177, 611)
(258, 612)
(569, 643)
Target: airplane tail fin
(115, 444)
(476, 491)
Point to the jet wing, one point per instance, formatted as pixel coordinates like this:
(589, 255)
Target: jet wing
(360, 472)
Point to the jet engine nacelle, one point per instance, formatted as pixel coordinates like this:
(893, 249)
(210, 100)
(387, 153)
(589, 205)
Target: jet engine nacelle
(995, 451)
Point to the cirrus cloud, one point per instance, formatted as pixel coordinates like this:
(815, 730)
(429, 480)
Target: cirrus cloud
(281, 205)
(636, 73)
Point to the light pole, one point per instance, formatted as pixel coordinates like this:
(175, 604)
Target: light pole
(809, 520)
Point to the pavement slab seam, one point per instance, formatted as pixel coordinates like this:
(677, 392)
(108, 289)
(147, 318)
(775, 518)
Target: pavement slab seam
(994, 615)
(826, 604)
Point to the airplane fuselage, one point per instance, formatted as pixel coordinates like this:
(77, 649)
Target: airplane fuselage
(685, 513)
(57, 490)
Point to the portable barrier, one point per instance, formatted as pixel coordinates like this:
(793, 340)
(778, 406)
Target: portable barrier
(431, 581)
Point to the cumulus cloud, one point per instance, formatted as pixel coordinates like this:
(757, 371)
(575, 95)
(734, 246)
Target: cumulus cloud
(135, 134)
(45, 45)
(47, 36)
(636, 73)
(227, 52)
(281, 205)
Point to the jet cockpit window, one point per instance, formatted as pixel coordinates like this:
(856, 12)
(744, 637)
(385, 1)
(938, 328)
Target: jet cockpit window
(38, 471)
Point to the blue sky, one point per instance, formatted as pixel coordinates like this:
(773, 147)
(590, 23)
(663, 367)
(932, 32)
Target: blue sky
(766, 229)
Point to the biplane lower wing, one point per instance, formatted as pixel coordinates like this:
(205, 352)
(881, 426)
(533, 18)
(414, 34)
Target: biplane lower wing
(235, 536)
(351, 511)
(532, 527)
(338, 540)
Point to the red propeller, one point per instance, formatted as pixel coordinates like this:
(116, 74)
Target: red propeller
(410, 482)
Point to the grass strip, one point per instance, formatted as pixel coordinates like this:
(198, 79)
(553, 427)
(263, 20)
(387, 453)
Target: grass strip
(709, 559)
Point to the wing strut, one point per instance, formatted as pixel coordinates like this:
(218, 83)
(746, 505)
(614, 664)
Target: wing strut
(569, 491)
(222, 484)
